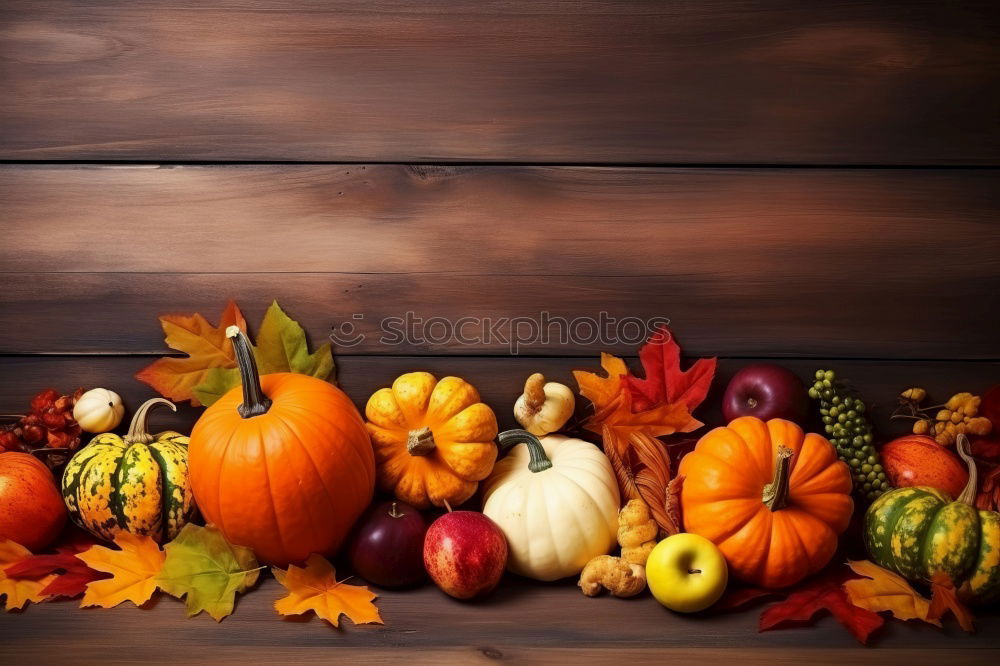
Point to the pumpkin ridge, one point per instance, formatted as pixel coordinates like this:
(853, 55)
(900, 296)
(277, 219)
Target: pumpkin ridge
(594, 508)
(345, 436)
(753, 488)
(220, 465)
(909, 566)
(304, 503)
(262, 442)
(308, 454)
(733, 527)
(764, 467)
(577, 509)
(115, 501)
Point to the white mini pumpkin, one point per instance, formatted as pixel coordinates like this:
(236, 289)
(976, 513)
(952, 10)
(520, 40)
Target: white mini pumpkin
(556, 500)
(99, 410)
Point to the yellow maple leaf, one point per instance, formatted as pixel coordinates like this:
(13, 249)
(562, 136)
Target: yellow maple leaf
(315, 588)
(133, 569)
(19, 592)
(883, 590)
(207, 347)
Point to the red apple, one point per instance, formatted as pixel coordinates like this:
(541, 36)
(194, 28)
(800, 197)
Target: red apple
(32, 512)
(917, 460)
(465, 553)
(388, 545)
(766, 391)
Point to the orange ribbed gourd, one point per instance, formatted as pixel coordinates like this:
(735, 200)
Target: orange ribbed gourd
(282, 465)
(772, 498)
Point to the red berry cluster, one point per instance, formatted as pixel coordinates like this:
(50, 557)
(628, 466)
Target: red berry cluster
(49, 425)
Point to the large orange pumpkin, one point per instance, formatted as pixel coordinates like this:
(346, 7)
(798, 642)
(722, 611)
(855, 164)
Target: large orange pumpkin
(282, 465)
(772, 498)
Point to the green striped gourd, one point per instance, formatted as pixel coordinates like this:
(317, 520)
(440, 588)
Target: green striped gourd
(918, 532)
(137, 483)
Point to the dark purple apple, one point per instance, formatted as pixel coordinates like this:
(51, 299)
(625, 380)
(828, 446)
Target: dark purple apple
(387, 548)
(766, 391)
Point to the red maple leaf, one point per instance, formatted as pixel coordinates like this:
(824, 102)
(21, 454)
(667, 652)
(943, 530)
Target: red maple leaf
(736, 598)
(73, 574)
(665, 382)
(823, 593)
(944, 599)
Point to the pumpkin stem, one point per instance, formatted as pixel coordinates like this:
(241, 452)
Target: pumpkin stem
(254, 402)
(420, 441)
(776, 493)
(968, 495)
(534, 392)
(138, 430)
(539, 461)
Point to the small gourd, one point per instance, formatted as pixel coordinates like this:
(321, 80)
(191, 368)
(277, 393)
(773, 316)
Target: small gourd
(99, 410)
(556, 500)
(544, 407)
(137, 483)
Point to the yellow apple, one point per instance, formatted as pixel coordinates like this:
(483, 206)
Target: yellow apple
(686, 573)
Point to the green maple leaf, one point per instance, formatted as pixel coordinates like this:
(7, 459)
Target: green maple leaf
(281, 347)
(216, 384)
(206, 569)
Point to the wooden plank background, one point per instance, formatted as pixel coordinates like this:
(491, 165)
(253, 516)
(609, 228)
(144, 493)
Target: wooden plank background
(706, 81)
(810, 182)
(746, 262)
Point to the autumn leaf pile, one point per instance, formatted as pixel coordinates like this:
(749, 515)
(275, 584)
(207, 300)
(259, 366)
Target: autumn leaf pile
(630, 413)
(198, 566)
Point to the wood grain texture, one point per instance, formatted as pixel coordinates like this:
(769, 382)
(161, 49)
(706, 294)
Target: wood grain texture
(499, 380)
(721, 81)
(516, 620)
(869, 263)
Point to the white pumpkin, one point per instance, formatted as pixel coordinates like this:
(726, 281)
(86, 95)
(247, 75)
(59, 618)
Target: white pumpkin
(99, 410)
(556, 500)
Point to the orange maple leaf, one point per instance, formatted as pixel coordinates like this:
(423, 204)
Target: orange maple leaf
(207, 347)
(315, 588)
(882, 590)
(133, 571)
(613, 404)
(944, 599)
(19, 592)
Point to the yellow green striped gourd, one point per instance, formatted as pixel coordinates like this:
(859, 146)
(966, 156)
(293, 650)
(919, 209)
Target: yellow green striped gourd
(919, 531)
(137, 483)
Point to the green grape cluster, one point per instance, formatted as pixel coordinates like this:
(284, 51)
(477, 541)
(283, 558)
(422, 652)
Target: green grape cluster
(850, 431)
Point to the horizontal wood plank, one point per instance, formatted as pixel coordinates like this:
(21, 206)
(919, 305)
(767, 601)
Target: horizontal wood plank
(499, 380)
(87, 653)
(519, 617)
(867, 263)
(888, 82)
(525, 315)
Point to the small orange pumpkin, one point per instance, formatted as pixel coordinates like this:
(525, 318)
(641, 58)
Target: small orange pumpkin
(433, 439)
(282, 465)
(773, 499)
